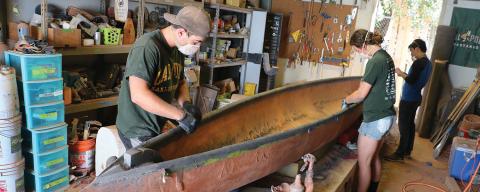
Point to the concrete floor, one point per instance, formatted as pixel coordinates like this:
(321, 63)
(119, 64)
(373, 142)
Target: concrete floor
(421, 168)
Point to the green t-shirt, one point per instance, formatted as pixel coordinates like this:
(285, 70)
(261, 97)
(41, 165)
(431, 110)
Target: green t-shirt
(161, 66)
(380, 73)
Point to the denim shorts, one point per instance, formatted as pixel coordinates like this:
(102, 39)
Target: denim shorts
(376, 129)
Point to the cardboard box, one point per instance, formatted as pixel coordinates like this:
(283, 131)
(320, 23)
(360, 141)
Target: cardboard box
(250, 89)
(255, 3)
(236, 3)
(226, 86)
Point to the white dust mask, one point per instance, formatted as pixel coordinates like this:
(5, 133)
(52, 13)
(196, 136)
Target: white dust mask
(188, 49)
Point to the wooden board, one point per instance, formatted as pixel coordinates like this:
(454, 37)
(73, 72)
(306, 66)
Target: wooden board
(295, 13)
(129, 32)
(341, 178)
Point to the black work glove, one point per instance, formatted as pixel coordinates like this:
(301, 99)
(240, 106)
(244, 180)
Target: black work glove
(191, 119)
(194, 110)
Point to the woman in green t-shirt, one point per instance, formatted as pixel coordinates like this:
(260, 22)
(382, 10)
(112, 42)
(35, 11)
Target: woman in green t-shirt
(377, 91)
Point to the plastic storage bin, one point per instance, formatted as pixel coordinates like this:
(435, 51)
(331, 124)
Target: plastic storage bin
(55, 181)
(46, 163)
(36, 66)
(41, 92)
(46, 115)
(44, 140)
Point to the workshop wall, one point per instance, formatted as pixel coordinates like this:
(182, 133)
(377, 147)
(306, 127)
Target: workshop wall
(461, 77)
(306, 72)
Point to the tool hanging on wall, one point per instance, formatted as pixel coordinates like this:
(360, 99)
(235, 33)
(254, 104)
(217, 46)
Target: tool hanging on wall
(128, 32)
(121, 10)
(316, 21)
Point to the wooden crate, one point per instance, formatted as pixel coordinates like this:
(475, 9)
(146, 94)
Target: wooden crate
(64, 37)
(56, 37)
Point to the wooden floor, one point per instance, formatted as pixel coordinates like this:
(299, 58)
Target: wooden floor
(421, 168)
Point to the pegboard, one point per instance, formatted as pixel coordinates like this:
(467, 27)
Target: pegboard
(316, 20)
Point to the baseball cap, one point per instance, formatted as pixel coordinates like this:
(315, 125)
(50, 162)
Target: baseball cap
(193, 19)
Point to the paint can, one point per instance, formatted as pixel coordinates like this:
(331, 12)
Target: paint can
(82, 155)
(11, 176)
(10, 140)
(9, 104)
(98, 38)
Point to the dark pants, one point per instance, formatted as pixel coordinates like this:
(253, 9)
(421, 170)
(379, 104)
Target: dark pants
(406, 125)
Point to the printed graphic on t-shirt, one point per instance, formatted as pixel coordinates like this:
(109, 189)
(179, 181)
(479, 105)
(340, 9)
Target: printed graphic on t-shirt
(167, 79)
(390, 83)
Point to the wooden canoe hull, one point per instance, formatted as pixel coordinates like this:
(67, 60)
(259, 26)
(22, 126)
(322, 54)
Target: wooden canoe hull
(236, 165)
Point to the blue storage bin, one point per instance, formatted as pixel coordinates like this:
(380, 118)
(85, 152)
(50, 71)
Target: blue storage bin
(41, 92)
(44, 140)
(46, 115)
(55, 181)
(34, 67)
(48, 162)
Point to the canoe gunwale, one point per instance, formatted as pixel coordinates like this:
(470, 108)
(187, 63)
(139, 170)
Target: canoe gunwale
(205, 158)
(212, 115)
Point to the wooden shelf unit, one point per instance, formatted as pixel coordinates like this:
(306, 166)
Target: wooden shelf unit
(95, 50)
(92, 104)
(228, 8)
(228, 35)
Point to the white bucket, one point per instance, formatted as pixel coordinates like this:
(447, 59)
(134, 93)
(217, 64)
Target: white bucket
(11, 176)
(10, 140)
(9, 105)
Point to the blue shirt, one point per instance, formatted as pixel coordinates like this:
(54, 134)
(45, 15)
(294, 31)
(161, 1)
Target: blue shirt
(417, 78)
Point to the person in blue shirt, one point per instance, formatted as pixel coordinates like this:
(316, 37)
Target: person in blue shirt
(415, 80)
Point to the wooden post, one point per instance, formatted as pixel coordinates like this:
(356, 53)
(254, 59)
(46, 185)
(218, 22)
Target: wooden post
(44, 20)
(141, 18)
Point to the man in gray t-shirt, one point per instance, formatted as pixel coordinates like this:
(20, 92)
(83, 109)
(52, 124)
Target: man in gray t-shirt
(154, 78)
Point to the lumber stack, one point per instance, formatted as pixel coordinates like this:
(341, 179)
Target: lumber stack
(441, 135)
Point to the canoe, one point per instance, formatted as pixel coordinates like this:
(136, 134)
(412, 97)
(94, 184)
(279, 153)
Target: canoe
(244, 141)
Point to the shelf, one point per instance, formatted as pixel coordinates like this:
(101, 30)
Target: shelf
(178, 3)
(227, 64)
(88, 105)
(228, 8)
(96, 50)
(229, 35)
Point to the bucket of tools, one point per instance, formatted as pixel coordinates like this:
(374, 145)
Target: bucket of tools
(82, 155)
(470, 124)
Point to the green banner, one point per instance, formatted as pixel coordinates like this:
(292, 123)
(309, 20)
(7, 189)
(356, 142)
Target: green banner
(466, 49)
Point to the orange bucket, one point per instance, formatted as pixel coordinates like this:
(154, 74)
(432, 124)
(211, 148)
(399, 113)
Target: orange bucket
(82, 154)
